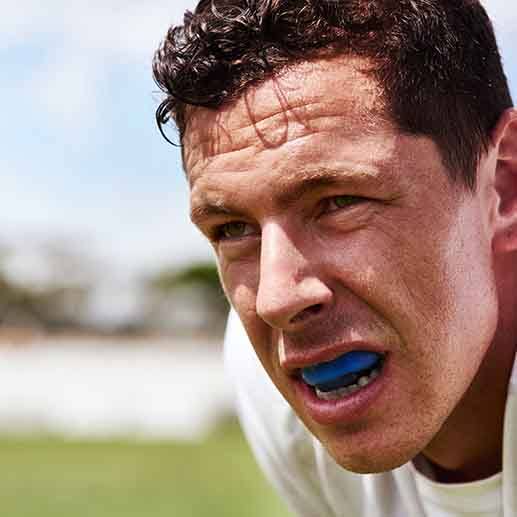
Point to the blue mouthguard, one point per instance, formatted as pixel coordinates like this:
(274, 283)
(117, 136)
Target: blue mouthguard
(352, 362)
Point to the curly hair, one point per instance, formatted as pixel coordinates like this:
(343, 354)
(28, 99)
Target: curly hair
(437, 62)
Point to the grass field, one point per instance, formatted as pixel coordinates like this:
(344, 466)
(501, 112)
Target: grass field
(45, 477)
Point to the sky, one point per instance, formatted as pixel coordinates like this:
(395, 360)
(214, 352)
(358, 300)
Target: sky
(81, 159)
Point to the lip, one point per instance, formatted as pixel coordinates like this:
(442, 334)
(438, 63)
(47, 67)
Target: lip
(347, 409)
(294, 361)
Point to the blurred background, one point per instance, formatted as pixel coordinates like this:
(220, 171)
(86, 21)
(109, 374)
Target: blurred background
(112, 396)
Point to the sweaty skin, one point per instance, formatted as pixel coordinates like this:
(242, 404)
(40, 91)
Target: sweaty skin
(331, 227)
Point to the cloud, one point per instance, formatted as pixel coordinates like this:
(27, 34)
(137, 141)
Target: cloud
(78, 43)
(133, 232)
(66, 89)
(127, 28)
(67, 54)
(503, 14)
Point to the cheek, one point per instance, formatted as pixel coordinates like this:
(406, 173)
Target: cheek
(398, 274)
(472, 284)
(240, 280)
(431, 279)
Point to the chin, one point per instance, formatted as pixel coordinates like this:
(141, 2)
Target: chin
(373, 459)
(372, 464)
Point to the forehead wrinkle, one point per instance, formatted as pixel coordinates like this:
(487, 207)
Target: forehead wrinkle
(296, 122)
(256, 144)
(295, 90)
(303, 179)
(207, 118)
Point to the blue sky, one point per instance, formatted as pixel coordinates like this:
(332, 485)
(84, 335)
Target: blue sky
(81, 157)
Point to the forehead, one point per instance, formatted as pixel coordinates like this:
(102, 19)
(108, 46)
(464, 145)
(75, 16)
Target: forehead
(307, 99)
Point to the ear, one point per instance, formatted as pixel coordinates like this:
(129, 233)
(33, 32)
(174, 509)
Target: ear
(504, 140)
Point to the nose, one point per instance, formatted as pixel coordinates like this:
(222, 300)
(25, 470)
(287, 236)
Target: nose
(290, 289)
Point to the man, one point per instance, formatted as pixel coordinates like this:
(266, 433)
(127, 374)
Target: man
(354, 164)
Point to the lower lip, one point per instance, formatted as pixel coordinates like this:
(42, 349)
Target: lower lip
(346, 409)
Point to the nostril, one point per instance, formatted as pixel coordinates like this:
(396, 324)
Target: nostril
(307, 312)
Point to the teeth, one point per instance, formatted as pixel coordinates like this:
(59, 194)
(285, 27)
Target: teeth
(332, 395)
(348, 390)
(353, 388)
(363, 381)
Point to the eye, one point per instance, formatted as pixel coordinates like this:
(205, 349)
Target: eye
(233, 230)
(339, 202)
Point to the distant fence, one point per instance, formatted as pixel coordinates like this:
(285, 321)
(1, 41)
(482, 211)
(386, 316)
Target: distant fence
(92, 390)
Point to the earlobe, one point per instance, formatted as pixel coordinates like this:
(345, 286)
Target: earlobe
(504, 139)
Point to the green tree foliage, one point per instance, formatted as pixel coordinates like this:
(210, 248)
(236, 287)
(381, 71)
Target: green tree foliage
(48, 308)
(203, 275)
(198, 282)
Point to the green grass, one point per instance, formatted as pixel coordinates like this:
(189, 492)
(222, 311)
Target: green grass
(47, 477)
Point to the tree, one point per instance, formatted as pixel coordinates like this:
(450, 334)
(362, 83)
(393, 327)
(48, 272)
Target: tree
(196, 285)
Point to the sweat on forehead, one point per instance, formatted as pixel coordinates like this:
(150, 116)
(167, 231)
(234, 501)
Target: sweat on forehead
(286, 107)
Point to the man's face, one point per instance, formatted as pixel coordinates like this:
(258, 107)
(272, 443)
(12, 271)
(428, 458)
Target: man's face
(335, 232)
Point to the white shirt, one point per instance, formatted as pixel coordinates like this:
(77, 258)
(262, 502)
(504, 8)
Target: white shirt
(312, 483)
(478, 499)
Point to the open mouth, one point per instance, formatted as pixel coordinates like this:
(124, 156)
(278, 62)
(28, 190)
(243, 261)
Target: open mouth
(344, 375)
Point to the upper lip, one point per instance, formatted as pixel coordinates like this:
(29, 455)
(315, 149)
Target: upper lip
(296, 360)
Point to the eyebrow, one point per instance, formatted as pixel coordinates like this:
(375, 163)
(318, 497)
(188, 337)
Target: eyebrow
(313, 179)
(309, 182)
(210, 209)
(290, 192)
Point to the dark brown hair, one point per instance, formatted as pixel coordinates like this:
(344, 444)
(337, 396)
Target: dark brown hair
(437, 61)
